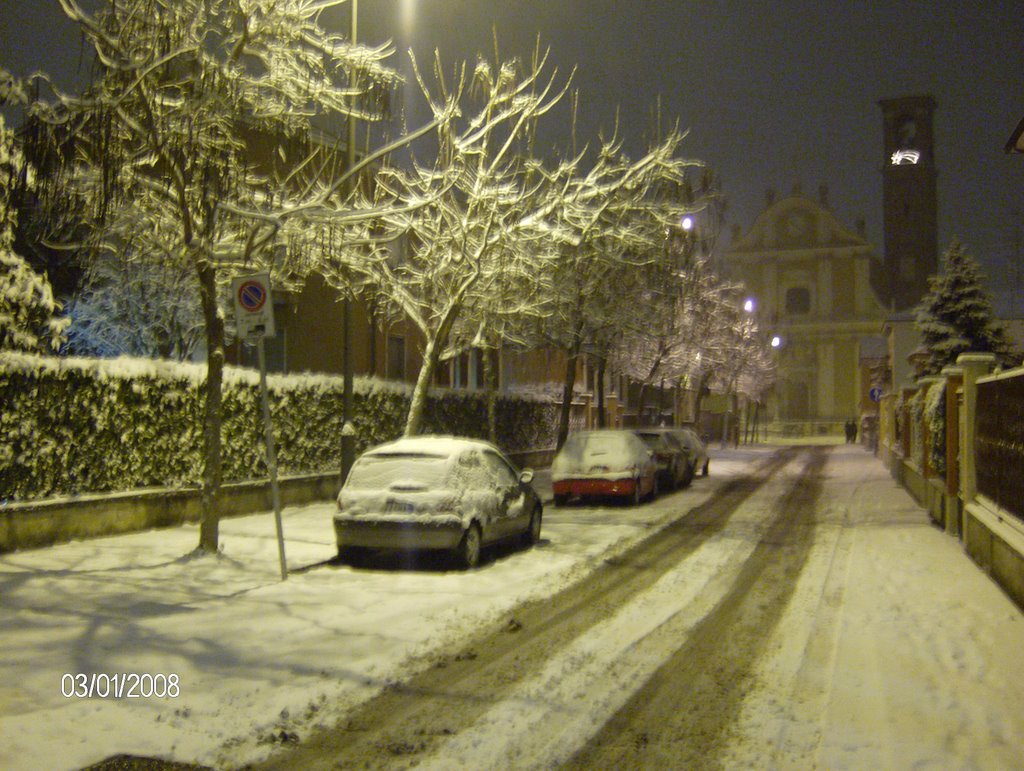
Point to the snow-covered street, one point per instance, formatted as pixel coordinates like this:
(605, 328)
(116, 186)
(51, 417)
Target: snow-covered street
(891, 649)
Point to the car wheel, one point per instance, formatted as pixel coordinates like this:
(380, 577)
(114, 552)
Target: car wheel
(469, 547)
(561, 499)
(532, 534)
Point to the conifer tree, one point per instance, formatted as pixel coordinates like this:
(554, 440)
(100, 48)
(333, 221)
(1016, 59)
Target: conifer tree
(956, 315)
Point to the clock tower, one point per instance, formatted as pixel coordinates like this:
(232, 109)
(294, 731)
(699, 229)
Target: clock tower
(909, 204)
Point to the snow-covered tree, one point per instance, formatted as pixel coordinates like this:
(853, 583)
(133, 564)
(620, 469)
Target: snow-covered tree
(698, 337)
(468, 224)
(672, 331)
(136, 308)
(956, 316)
(745, 363)
(196, 134)
(612, 224)
(29, 318)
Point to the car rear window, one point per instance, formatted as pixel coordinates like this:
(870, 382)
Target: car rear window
(611, 448)
(380, 471)
(651, 440)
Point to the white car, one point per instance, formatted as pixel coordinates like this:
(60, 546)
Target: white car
(435, 492)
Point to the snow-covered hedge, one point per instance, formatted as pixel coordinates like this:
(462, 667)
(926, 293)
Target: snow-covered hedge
(916, 409)
(935, 414)
(92, 425)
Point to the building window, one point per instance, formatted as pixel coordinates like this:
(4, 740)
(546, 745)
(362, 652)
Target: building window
(798, 300)
(396, 357)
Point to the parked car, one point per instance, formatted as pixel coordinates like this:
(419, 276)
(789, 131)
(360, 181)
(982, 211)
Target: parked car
(604, 462)
(674, 469)
(436, 492)
(696, 448)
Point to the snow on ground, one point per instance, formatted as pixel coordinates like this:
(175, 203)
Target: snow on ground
(896, 650)
(253, 656)
(550, 716)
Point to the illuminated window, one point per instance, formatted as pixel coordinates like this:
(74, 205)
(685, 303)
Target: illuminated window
(798, 300)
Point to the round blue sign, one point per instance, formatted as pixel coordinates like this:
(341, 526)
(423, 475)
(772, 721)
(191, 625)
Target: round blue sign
(875, 394)
(252, 295)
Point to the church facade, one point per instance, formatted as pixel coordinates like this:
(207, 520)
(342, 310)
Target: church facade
(808, 279)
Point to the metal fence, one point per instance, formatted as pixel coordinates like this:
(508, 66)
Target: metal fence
(999, 444)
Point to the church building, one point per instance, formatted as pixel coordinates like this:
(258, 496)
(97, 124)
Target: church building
(808, 279)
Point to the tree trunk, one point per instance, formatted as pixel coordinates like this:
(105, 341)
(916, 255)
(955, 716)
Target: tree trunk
(491, 383)
(212, 414)
(601, 421)
(702, 391)
(641, 400)
(567, 390)
(431, 356)
(419, 392)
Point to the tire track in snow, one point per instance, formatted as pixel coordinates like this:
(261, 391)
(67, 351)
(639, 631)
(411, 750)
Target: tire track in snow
(683, 715)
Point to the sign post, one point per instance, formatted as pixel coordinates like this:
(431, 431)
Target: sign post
(254, 318)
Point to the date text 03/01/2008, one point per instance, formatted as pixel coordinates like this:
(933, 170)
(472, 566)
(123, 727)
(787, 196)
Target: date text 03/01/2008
(123, 685)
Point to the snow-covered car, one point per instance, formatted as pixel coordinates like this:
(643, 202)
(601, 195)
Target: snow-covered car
(696, 448)
(673, 459)
(435, 492)
(604, 462)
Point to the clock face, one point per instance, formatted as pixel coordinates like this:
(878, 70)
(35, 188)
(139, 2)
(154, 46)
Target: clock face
(906, 134)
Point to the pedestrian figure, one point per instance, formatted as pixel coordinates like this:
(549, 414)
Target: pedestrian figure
(850, 429)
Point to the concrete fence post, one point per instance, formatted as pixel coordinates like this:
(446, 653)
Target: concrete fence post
(974, 366)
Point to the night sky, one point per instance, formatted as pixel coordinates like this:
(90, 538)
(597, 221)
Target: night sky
(772, 94)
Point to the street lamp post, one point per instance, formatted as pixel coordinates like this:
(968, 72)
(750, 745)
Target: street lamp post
(348, 432)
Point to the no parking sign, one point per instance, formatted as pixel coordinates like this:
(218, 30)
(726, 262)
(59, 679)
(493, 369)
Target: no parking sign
(254, 316)
(254, 308)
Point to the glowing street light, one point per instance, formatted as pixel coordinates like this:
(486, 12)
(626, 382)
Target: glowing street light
(748, 306)
(776, 341)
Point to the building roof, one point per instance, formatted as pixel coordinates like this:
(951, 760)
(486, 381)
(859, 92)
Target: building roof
(797, 223)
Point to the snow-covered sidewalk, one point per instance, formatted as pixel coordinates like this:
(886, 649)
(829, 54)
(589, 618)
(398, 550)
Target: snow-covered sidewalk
(908, 645)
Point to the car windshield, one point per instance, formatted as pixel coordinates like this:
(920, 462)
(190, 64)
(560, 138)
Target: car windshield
(381, 471)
